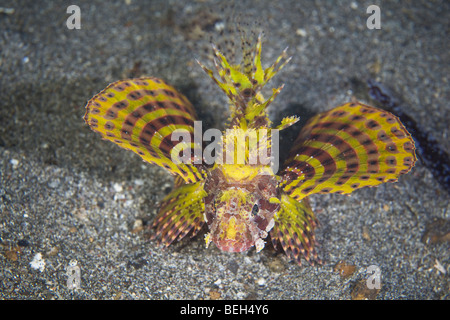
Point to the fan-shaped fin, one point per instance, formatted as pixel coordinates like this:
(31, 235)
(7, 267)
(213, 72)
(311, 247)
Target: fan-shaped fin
(181, 212)
(346, 148)
(141, 115)
(294, 229)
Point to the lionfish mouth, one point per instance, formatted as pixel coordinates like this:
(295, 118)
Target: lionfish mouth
(232, 245)
(232, 235)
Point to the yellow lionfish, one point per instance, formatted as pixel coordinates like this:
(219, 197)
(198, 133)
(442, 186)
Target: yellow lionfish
(241, 197)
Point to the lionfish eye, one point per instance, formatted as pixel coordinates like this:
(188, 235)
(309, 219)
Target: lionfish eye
(255, 210)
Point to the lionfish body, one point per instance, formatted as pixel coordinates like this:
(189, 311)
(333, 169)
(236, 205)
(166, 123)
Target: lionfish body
(241, 197)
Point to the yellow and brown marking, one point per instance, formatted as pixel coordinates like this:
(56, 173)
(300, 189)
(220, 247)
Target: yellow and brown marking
(140, 115)
(338, 151)
(347, 148)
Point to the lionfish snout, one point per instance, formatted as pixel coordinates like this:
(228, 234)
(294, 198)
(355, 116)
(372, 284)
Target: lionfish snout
(240, 214)
(232, 233)
(239, 220)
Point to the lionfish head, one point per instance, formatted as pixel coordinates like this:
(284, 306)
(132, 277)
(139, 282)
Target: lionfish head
(240, 216)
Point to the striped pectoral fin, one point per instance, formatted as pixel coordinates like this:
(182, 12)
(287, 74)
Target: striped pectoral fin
(294, 229)
(141, 115)
(346, 148)
(181, 212)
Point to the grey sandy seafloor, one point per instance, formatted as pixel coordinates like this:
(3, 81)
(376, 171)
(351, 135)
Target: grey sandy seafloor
(68, 197)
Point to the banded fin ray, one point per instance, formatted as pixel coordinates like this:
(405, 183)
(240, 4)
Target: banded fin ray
(347, 148)
(294, 229)
(243, 85)
(140, 115)
(181, 212)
